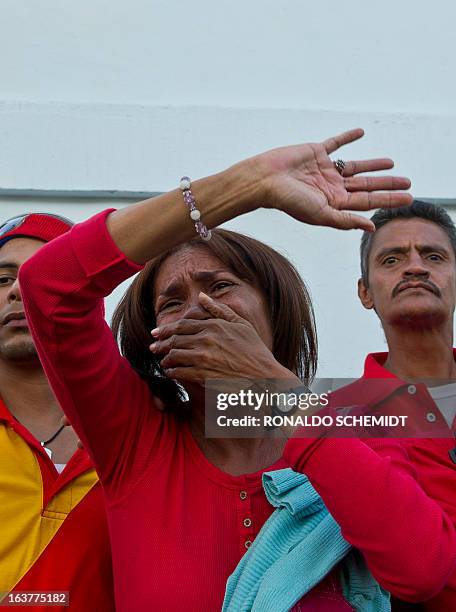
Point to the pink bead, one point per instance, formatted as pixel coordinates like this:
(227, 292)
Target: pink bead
(195, 214)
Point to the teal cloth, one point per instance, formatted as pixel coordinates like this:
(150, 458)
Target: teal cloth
(296, 548)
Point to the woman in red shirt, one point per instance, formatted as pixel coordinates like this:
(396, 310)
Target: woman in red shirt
(182, 508)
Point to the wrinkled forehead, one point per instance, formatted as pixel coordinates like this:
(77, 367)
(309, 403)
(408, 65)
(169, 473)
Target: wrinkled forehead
(409, 233)
(188, 262)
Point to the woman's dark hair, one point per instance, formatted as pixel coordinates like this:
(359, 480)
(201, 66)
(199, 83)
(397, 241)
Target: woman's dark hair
(287, 299)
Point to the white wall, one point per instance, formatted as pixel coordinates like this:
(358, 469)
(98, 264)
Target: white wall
(117, 96)
(389, 56)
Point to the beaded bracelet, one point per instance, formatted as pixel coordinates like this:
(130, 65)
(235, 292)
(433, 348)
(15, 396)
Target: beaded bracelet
(195, 215)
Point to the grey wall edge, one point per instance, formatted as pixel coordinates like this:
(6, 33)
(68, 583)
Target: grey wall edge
(112, 194)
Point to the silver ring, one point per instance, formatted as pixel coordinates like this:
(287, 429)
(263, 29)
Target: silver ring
(340, 166)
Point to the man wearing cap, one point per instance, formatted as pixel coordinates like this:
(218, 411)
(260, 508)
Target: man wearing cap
(53, 529)
(408, 278)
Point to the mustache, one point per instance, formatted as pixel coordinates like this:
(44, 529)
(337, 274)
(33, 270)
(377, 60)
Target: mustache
(426, 283)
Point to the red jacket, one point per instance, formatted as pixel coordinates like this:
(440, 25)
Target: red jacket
(178, 524)
(53, 528)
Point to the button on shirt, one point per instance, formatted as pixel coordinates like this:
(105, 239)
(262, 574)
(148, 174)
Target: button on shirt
(445, 398)
(387, 395)
(432, 457)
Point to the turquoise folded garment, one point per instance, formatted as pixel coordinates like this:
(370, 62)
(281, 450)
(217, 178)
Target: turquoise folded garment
(296, 548)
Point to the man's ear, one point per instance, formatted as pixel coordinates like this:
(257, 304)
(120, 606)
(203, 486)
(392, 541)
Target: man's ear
(365, 295)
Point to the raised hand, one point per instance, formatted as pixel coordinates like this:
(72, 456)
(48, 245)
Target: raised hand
(304, 182)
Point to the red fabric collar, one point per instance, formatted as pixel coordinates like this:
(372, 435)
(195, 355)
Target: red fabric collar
(364, 391)
(373, 366)
(5, 414)
(79, 462)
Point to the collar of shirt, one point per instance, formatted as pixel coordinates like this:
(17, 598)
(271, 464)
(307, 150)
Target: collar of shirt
(79, 462)
(373, 366)
(374, 369)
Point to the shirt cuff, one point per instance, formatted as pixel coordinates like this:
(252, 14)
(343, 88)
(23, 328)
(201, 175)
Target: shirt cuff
(98, 254)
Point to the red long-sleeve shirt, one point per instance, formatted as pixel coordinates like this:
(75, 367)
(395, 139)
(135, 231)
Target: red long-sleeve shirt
(178, 524)
(431, 457)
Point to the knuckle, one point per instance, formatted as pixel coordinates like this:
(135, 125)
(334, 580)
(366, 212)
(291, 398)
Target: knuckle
(202, 358)
(207, 332)
(210, 340)
(164, 332)
(179, 328)
(194, 312)
(207, 359)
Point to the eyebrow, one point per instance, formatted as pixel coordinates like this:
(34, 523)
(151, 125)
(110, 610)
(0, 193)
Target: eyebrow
(170, 290)
(201, 276)
(427, 248)
(433, 248)
(9, 265)
(209, 274)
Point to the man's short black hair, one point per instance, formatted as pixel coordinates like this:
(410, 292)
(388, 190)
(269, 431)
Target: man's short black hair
(418, 209)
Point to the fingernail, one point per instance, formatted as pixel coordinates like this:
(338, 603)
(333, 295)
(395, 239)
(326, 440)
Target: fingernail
(155, 332)
(153, 346)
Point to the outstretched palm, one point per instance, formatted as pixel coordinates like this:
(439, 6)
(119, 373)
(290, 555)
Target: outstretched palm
(303, 181)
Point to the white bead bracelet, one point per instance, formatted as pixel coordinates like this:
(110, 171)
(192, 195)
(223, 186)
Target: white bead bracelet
(195, 214)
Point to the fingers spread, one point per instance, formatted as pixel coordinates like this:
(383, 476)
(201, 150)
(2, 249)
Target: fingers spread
(362, 200)
(376, 183)
(341, 219)
(332, 144)
(367, 165)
